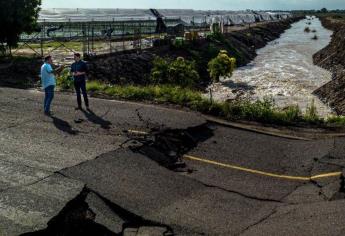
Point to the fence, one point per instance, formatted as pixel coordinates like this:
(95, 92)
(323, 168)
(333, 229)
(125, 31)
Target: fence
(61, 39)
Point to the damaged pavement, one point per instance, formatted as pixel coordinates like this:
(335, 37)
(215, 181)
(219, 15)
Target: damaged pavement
(123, 169)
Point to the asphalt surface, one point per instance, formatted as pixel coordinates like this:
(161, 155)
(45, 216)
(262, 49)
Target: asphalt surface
(47, 163)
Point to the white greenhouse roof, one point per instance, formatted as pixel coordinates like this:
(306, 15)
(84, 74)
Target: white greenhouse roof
(186, 15)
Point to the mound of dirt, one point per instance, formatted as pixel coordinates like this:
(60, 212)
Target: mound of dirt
(20, 73)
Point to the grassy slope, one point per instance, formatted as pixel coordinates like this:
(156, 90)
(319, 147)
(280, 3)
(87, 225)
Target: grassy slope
(261, 111)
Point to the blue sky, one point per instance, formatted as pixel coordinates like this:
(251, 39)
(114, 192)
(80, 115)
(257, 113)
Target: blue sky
(198, 4)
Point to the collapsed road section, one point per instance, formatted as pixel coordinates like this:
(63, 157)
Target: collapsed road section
(145, 188)
(102, 181)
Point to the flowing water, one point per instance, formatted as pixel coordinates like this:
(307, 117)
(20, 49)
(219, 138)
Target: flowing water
(283, 70)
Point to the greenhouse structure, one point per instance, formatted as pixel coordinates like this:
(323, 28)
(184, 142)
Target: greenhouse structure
(120, 29)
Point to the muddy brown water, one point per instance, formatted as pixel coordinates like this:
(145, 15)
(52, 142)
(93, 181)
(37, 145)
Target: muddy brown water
(283, 70)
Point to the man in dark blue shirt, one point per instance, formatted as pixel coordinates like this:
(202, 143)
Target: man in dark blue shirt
(79, 70)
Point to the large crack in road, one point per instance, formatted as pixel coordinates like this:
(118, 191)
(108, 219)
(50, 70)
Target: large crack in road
(109, 182)
(166, 147)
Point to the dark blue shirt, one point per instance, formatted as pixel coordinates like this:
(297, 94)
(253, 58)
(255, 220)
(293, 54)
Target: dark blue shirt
(79, 66)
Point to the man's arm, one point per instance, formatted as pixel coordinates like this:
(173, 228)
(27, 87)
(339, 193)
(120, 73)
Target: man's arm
(49, 69)
(73, 70)
(58, 70)
(83, 69)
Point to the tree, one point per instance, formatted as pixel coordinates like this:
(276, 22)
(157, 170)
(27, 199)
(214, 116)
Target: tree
(222, 65)
(17, 17)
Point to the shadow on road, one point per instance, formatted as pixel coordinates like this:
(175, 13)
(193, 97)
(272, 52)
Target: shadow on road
(94, 118)
(64, 126)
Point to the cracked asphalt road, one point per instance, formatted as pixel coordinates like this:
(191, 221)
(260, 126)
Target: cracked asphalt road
(47, 163)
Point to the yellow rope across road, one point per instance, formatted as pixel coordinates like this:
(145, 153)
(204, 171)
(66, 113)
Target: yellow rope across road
(258, 172)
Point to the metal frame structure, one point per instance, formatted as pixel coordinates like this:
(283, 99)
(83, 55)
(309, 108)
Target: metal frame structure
(106, 35)
(95, 37)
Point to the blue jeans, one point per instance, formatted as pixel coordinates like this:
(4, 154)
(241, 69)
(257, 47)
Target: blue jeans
(49, 95)
(80, 85)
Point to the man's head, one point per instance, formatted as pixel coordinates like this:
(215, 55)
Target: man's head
(77, 57)
(48, 59)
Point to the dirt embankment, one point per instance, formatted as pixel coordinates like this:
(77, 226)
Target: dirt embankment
(20, 73)
(134, 67)
(332, 58)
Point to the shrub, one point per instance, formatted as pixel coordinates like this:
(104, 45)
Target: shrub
(222, 65)
(307, 29)
(315, 37)
(159, 72)
(336, 120)
(215, 36)
(179, 43)
(311, 114)
(292, 113)
(177, 72)
(65, 80)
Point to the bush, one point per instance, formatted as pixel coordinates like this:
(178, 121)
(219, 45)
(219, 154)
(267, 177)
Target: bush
(315, 37)
(179, 43)
(336, 120)
(65, 80)
(307, 29)
(159, 72)
(292, 113)
(311, 114)
(215, 36)
(222, 65)
(179, 72)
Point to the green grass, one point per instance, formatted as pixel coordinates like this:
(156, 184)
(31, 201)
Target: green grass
(263, 111)
(161, 93)
(336, 121)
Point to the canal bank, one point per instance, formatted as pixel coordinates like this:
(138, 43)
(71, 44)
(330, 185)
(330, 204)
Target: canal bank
(332, 59)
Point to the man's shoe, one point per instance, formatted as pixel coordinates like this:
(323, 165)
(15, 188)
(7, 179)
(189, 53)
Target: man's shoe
(48, 113)
(78, 108)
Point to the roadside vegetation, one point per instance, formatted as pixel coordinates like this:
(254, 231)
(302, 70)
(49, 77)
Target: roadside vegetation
(174, 72)
(64, 80)
(222, 65)
(264, 111)
(174, 82)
